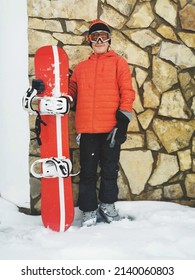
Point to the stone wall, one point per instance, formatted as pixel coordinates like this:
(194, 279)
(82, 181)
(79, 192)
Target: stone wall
(157, 38)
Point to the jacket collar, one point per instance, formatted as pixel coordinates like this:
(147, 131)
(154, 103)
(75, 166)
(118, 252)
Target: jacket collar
(104, 55)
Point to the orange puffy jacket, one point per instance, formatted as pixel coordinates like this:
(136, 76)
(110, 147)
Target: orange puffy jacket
(100, 86)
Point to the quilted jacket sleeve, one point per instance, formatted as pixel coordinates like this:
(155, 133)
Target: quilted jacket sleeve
(73, 86)
(127, 93)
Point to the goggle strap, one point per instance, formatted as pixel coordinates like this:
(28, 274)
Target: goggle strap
(87, 38)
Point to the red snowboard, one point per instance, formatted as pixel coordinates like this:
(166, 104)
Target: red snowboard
(57, 208)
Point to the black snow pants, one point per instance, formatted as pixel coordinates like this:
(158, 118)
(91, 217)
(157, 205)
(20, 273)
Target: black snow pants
(94, 150)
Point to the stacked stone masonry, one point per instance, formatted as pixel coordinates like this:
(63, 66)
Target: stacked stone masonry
(157, 38)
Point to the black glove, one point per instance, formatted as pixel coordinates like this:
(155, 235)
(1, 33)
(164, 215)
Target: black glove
(118, 134)
(38, 85)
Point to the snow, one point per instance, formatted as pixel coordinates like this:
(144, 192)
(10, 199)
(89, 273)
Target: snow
(161, 234)
(159, 231)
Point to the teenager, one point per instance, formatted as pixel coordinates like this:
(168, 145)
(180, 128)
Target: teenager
(101, 87)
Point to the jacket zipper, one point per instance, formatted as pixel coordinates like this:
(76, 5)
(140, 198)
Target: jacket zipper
(94, 95)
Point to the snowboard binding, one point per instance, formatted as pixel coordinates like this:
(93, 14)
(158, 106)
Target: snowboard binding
(47, 105)
(52, 168)
(54, 105)
(28, 99)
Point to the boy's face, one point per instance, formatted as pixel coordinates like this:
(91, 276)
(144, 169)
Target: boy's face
(100, 48)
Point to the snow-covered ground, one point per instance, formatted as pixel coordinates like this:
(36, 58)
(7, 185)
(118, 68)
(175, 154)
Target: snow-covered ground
(161, 238)
(160, 231)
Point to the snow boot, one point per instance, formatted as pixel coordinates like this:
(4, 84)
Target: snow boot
(89, 218)
(109, 212)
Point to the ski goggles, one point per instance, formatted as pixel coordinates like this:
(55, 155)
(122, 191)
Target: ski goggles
(101, 35)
